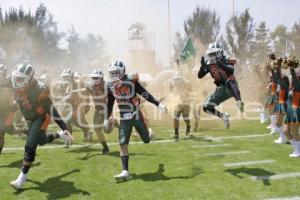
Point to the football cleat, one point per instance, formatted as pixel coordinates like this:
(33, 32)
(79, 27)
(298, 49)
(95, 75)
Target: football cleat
(18, 183)
(151, 134)
(280, 141)
(226, 120)
(105, 150)
(124, 175)
(67, 137)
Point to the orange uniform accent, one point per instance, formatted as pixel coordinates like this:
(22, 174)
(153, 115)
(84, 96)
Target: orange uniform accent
(10, 118)
(296, 99)
(46, 122)
(282, 96)
(273, 88)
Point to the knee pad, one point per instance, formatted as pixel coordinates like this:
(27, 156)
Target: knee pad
(29, 154)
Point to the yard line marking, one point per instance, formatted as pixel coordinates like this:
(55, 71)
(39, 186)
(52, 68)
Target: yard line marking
(211, 145)
(239, 136)
(276, 176)
(255, 162)
(284, 198)
(83, 145)
(228, 153)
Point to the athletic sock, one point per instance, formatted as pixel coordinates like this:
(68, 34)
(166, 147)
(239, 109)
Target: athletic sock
(25, 169)
(124, 160)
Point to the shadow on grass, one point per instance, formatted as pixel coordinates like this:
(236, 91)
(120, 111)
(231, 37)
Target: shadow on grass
(56, 188)
(251, 172)
(18, 164)
(159, 175)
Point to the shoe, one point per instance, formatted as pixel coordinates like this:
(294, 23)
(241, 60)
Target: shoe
(124, 175)
(151, 134)
(240, 105)
(105, 150)
(226, 120)
(273, 131)
(280, 141)
(67, 137)
(294, 155)
(269, 127)
(176, 136)
(188, 130)
(18, 183)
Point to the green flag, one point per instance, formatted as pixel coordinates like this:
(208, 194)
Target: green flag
(188, 51)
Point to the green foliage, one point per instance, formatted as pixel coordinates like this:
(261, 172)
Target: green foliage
(295, 38)
(203, 24)
(281, 40)
(240, 34)
(261, 45)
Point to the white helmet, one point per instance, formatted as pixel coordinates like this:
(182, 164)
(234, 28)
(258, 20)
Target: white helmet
(44, 78)
(214, 52)
(97, 77)
(67, 74)
(77, 75)
(116, 70)
(22, 75)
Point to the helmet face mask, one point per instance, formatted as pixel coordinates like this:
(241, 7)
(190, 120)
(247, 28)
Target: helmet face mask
(96, 77)
(116, 71)
(22, 76)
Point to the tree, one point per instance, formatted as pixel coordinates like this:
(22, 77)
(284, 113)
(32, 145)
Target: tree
(203, 24)
(295, 37)
(240, 34)
(261, 45)
(281, 40)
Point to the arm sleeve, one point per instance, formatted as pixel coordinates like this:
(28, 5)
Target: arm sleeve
(50, 109)
(280, 80)
(228, 68)
(296, 82)
(203, 69)
(145, 94)
(110, 103)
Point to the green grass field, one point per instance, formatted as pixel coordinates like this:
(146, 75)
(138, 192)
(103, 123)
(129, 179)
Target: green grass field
(188, 169)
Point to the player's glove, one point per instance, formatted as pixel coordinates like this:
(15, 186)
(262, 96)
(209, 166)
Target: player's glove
(162, 108)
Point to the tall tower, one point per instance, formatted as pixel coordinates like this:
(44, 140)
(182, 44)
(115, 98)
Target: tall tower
(141, 49)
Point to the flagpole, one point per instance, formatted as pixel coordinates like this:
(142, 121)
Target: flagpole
(169, 32)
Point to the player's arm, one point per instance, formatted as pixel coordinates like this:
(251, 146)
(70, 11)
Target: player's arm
(203, 69)
(227, 67)
(296, 82)
(145, 94)
(110, 103)
(280, 80)
(47, 104)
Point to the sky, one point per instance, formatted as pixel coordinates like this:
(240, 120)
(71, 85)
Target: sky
(112, 18)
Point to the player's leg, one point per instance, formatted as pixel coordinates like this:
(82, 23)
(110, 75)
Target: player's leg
(233, 86)
(196, 112)
(2, 134)
(282, 138)
(186, 117)
(294, 140)
(125, 130)
(140, 125)
(98, 120)
(176, 116)
(220, 95)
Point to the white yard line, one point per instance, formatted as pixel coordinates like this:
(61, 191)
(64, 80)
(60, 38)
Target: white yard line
(82, 145)
(255, 162)
(211, 145)
(277, 176)
(239, 136)
(228, 153)
(284, 198)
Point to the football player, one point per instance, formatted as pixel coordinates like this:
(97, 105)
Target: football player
(124, 89)
(35, 104)
(7, 106)
(78, 112)
(181, 88)
(222, 71)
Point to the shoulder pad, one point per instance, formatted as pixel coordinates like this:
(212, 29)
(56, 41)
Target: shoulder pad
(232, 60)
(134, 77)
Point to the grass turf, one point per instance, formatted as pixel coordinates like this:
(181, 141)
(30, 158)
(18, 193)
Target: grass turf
(171, 170)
